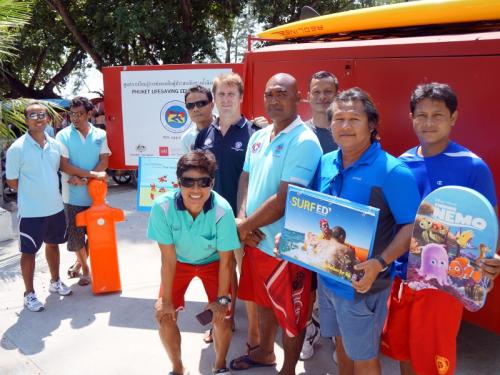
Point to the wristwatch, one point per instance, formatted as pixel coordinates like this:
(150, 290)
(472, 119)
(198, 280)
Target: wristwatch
(84, 179)
(382, 262)
(223, 300)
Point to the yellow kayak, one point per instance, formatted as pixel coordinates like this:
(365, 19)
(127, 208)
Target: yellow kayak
(416, 13)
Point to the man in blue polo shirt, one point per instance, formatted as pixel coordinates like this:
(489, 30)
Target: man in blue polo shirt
(227, 138)
(196, 232)
(31, 168)
(284, 153)
(436, 162)
(362, 172)
(85, 154)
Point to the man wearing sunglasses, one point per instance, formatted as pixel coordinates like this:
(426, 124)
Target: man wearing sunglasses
(85, 154)
(32, 165)
(199, 104)
(196, 232)
(286, 152)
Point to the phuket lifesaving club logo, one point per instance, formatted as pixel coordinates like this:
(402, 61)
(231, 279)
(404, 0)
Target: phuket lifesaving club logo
(174, 117)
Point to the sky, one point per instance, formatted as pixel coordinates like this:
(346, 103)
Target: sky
(93, 82)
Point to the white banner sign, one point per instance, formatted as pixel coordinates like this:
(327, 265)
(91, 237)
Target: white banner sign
(153, 109)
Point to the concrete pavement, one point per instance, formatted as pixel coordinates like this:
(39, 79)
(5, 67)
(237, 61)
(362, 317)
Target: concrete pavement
(117, 334)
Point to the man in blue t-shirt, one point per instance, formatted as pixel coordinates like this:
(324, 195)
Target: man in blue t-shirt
(84, 154)
(436, 162)
(31, 169)
(362, 172)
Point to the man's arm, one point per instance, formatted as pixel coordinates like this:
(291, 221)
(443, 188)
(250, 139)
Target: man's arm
(164, 304)
(70, 169)
(241, 197)
(102, 165)
(399, 244)
(14, 184)
(270, 211)
(226, 265)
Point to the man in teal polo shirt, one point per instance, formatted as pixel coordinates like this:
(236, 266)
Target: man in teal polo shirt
(85, 154)
(31, 169)
(285, 153)
(196, 232)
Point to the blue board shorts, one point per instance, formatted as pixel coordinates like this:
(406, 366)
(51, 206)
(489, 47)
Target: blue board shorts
(34, 231)
(359, 321)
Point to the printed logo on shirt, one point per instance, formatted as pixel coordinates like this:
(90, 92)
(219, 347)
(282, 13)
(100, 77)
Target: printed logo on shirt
(256, 147)
(98, 142)
(439, 183)
(279, 149)
(238, 146)
(207, 142)
(442, 364)
(357, 178)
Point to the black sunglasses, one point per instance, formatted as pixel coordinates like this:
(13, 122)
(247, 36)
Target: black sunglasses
(34, 115)
(189, 182)
(198, 104)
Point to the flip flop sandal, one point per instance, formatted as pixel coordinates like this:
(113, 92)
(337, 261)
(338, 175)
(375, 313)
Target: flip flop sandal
(251, 348)
(248, 362)
(208, 338)
(84, 280)
(74, 270)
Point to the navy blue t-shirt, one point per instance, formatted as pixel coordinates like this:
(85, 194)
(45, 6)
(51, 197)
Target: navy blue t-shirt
(229, 151)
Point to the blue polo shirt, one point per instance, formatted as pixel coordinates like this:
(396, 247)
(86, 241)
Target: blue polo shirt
(456, 165)
(197, 241)
(36, 169)
(229, 151)
(376, 179)
(82, 153)
(292, 156)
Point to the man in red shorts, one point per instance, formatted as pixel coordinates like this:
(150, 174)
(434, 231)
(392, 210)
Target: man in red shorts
(422, 326)
(196, 232)
(287, 152)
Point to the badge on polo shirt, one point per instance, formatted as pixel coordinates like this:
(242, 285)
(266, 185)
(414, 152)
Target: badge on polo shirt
(208, 142)
(238, 146)
(256, 147)
(279, 149)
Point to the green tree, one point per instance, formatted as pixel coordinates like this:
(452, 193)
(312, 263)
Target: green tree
(111, 32)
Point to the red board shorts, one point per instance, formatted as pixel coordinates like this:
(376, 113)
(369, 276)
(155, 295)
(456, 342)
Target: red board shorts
(184, 273)
(256, 268)
(422, 327)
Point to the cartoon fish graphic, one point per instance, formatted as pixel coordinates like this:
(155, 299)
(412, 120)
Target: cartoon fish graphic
(461, 268)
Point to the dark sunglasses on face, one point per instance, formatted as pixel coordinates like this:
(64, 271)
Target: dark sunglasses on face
(198, 104)
(34, 115)
(189, 182)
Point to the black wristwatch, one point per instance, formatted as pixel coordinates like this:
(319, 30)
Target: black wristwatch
(382, 262)
(223, 300)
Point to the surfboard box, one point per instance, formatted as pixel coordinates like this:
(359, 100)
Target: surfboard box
(327, 234)
(411, 14)
(455, 228)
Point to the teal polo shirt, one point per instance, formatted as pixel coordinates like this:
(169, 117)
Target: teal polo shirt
(196, 241)
(292, 156)
(82, 153)
(36, 169)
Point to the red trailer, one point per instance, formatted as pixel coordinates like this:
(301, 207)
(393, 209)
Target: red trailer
(389, 69)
